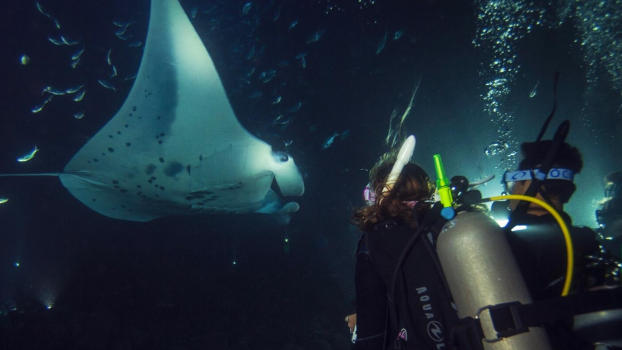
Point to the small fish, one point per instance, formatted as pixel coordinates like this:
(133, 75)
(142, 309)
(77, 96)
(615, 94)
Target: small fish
(122, 24)
(78, 115)
(74, 89)
(68, 42)
(122, 35)
(80, 96)
(295, 108)
(114, 71)
(54, 91)
(47, 14)
(41, 9)
(246, 8)
(302, 57)
(281, 120)
(135, 44)
(293, 24)
(4, 200)
(57, 42)
(106, 84)
(251, 72)
(382, 44)
(120, 31)
(534, 90)
(330, 140)
(316, 36)
(74, 63)
(268, 75)
(398, 34)
(108, 59)
(28, 156)
(39, 108)
(77, 54)
(277, 100)
(277, 15)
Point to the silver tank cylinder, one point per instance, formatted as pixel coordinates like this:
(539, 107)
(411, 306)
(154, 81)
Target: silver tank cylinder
(480, 269)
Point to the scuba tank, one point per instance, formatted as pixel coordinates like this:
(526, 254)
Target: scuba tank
(481, 271)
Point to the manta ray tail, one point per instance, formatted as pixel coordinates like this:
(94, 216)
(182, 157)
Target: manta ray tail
(30, 174)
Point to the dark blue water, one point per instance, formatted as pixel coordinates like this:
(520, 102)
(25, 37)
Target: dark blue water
(71, 278)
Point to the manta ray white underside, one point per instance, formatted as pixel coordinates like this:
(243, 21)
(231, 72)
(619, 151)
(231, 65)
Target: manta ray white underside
(175, 146)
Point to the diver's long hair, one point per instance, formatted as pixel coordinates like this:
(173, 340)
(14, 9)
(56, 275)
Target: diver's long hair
(413, 184)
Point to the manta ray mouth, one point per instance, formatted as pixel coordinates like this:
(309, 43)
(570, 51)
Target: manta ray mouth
(275, 187)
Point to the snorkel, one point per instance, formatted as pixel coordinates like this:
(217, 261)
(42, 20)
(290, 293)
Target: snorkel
(403, 157)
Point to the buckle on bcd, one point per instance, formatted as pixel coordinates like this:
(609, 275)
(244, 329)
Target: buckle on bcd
(506, 320)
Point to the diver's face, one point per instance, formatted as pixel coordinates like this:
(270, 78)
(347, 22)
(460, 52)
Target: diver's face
(518, 187)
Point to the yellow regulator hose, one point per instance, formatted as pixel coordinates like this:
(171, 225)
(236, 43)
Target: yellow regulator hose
(562, 225)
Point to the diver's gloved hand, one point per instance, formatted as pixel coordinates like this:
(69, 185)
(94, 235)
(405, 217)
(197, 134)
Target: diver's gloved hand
(351, 321)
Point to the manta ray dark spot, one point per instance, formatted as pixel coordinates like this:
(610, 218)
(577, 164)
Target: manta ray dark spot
(173, 168)
(115, 182)
(110, 149)
(128, 144)
(188, 169)
(93, 199)
(159, 142)
(110, 136)
(139, 186)
(200, 157)
(118, 132)
(131, 114)
(161, 160)
(134, 108)
(95, 160)
(159, 117)
(126, 126)
(150, 169)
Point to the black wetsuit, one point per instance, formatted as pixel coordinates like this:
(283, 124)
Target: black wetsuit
(540, 251)
(421, 301)
(371, 302)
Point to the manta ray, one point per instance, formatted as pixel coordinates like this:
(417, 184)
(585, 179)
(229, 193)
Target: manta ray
(175, 146)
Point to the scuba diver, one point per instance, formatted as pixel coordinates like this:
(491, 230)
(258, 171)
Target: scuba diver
(537, 241)
(399, 197)
(533, 233)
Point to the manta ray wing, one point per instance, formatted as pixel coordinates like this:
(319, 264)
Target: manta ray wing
(175, 145)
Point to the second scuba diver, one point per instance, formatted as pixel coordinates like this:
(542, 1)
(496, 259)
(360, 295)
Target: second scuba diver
(388, 223)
